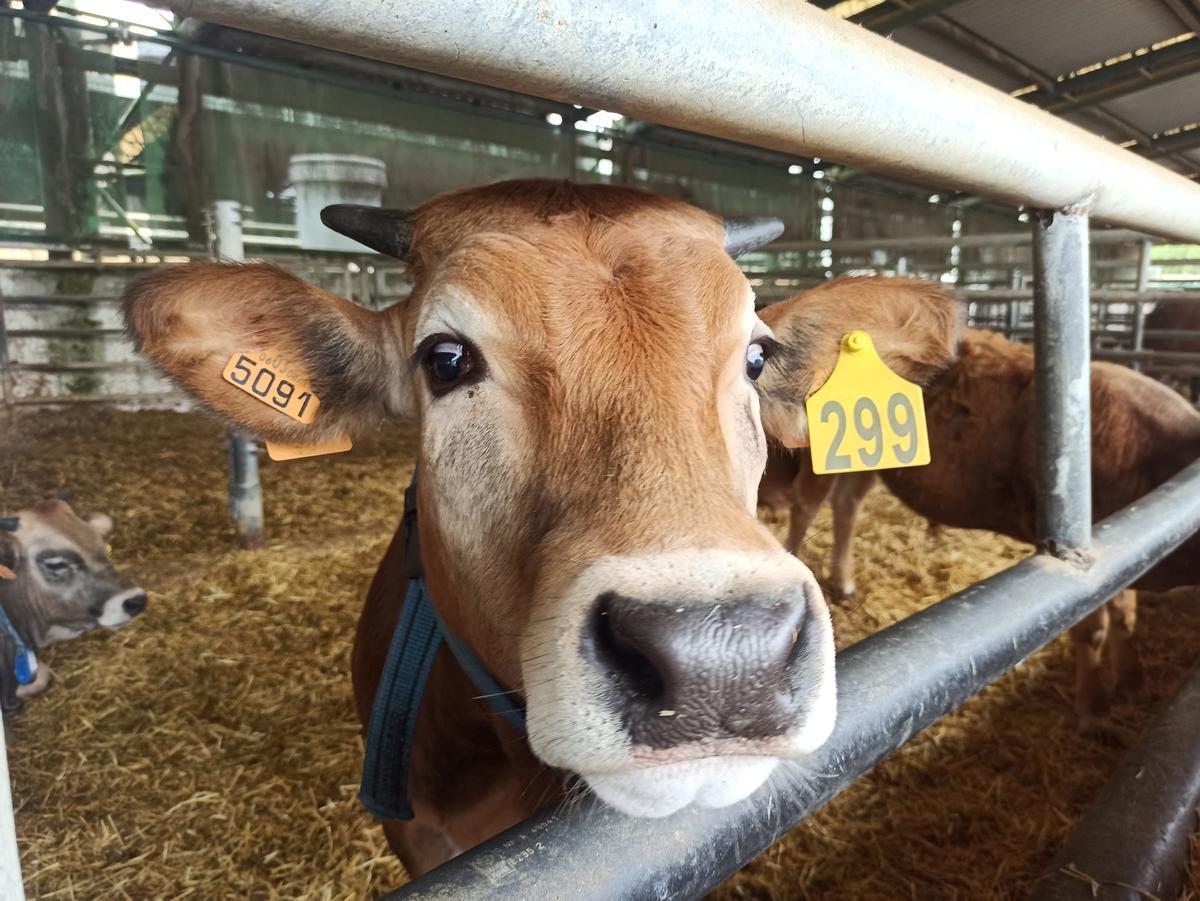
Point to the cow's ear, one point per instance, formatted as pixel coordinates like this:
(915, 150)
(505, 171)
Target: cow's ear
(10, 554)
(102, 523)
(915, 326)
(191, 320)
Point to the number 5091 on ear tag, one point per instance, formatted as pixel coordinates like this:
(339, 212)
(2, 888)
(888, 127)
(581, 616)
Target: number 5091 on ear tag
(865, 416)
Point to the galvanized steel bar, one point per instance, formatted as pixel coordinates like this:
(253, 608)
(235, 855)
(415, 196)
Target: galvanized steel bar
(11, 885)
(1133, 840)
(1062, 375)
(1102, 295)
(1139, 313)
(891, 686)
(807, 83)
(944, 242)
(245, 489)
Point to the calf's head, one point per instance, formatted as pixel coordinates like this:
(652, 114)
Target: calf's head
(65, 584)
(915, 326)
(581, 362)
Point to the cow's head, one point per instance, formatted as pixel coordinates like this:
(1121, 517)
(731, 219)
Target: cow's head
(66, 585)
(914, 324)
(581, 360)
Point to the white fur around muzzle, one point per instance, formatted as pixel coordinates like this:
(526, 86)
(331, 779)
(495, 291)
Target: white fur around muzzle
(659, 791)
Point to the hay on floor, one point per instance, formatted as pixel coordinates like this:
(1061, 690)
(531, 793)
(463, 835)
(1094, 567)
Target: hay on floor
(212, 750)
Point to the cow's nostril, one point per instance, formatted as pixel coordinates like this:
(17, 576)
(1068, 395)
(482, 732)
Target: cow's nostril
(621, 652)
(135, 604)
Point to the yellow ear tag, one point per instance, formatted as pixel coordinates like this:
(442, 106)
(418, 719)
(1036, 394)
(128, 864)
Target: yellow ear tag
(6, 573)
(865, 416)
(268, 376)
(280, 452)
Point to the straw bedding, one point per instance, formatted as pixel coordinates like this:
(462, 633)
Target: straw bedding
(211, 750)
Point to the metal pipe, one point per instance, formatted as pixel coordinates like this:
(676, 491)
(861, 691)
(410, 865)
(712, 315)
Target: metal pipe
(1062, 376)
(891, 686)
(245, 489)
(11, 885)
(1134, 837)
(1005, 295)
(1143, 283)
(944, 242)
(656, 60)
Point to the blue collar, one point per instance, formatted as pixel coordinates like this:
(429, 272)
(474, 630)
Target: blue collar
(418, 636)
(25, 662)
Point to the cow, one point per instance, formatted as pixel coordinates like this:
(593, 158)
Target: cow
(1175, 317)
(57, 583)
(580, 360)
(979, 400)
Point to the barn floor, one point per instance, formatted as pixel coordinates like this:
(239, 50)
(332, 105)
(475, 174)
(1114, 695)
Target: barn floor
(210, 750)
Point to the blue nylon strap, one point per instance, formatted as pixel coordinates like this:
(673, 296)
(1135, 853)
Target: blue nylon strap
(25, 662)
(415, 642)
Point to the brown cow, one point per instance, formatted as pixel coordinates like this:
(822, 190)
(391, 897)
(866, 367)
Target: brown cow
(580, 360)
(979, 398)
(62, 585)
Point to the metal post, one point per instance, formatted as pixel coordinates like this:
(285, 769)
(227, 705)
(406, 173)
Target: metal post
(1139, 307)
(245, 489)
(1062, 371)
(11, 885)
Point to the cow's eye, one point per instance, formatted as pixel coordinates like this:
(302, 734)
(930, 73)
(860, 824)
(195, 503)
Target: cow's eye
(756, 358)
(57, 569)
(448, 362)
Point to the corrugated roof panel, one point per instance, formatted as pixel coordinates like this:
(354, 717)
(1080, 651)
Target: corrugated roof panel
(1097, 126)
(934, 47)
(1161, 106)
(1065, 35)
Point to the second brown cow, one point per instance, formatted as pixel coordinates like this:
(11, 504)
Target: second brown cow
(979, 397)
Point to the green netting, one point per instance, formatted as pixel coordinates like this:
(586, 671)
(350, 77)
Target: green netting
(105, 142)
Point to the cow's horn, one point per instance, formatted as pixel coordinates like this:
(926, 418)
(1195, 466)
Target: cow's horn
(9, 523)
(388, 231)
(745, 233)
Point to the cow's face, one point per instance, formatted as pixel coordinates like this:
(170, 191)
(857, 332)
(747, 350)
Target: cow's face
(581, 361)
(66, 584)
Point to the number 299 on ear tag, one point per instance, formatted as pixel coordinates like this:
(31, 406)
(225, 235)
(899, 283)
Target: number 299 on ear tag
(865, 416)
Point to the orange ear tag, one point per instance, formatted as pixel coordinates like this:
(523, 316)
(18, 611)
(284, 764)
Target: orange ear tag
(270, 377)
(280, 452)
(865, 416)
(6, 573)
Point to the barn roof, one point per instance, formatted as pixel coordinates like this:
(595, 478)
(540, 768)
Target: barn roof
(1128, 70)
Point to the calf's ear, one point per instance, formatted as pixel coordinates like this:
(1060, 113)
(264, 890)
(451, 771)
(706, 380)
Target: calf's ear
(191, 319)
(10, 555)
(915, 326)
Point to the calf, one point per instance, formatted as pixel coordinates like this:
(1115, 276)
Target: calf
(580, 360)
(59, 584)
(979, 401)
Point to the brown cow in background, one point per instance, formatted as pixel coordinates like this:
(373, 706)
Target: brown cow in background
(979, 402)
(62, 585)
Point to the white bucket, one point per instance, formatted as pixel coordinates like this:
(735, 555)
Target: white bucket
(321, 179)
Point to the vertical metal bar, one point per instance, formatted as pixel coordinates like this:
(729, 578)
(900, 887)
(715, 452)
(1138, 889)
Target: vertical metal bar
(1139, 311)
(11, 885)
(245, 489)
(1061, 313)
(6, 383)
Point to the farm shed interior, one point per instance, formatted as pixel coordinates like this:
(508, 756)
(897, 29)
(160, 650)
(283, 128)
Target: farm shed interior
(258, 788)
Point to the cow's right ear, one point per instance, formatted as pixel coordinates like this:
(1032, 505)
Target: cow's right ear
(10, 554)
(191, 319)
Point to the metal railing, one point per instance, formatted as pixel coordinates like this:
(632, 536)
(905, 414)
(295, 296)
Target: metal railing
(813, 85)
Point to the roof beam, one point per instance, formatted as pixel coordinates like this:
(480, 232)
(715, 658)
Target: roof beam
(1177, 143)
(901, 16)
(1127, 77)
(1185, 11)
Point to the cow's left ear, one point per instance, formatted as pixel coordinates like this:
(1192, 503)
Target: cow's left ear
(191, 319)
(10, 553)
(915, 326)
(102, 523)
